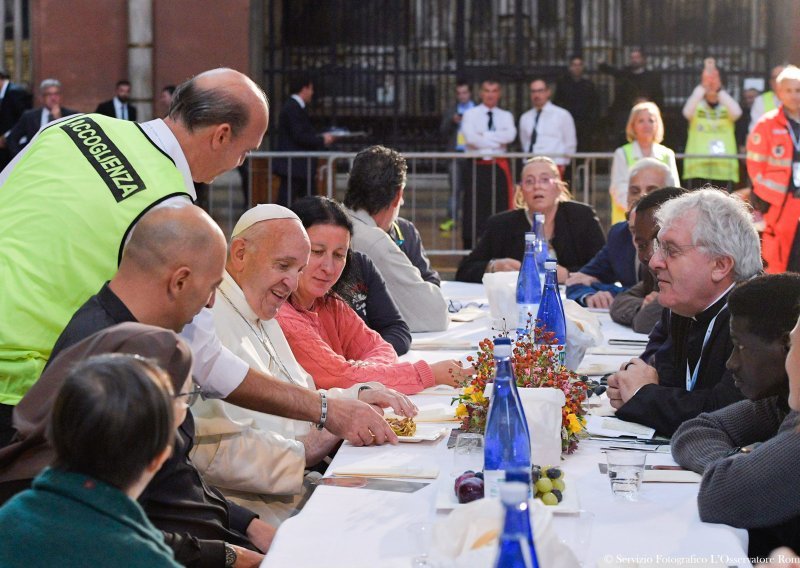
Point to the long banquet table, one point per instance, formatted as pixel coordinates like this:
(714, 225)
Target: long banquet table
(349, 527)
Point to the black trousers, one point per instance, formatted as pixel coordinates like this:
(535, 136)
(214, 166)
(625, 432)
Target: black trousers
(487, 190)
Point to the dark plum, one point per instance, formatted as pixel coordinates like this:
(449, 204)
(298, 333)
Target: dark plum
(471, 489)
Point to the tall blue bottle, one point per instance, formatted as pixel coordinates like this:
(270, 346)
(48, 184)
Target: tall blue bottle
(517, 549)
(507, 445)
(551, 312)
(529, 287)
(542, 248)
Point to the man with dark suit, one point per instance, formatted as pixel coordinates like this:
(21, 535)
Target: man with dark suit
(119, 107)
(13, 102)
(33, 120)
(296, 133)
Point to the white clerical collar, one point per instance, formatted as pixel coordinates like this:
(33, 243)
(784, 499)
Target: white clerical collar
(3, 90)
(160, 134)
(299, 100)
(717, 299)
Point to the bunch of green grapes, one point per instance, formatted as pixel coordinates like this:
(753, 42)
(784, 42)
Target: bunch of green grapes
(548, 483)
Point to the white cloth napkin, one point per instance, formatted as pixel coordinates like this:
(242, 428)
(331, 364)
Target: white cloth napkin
(430, 413)
(391, 465)
(481, 522)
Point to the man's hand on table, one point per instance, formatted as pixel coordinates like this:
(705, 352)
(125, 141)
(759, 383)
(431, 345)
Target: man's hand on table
(503, 265)
(632, 376)
(261, 534)
(600, 299)
(358, 423)
(384, 398)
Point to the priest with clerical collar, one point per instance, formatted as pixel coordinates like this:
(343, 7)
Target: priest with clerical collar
(706, 244)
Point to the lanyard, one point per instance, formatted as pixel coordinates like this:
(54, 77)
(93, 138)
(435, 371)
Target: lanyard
(691, 379)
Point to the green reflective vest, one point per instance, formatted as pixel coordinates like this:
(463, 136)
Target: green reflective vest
(711, 131)
(770, 101)
(630, 159)
(65, 211)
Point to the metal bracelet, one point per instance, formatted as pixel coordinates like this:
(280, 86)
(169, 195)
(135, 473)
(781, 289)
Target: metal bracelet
(323, 416)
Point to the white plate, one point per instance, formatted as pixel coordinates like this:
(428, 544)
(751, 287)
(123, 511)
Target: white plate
(425, 433)
(446, 499)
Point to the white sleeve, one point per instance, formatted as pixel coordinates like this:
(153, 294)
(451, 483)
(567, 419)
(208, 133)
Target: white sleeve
(692, 102)
(216, 370)
(734, 110)
(570, 137)
(756, 111)
(673, 167)
(238, 455)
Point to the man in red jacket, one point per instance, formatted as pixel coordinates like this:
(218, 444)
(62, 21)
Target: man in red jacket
(773, 162)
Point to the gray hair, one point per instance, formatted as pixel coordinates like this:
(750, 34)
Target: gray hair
(723, 227)
(789, 73)
(197, 107)
(654, 164)
(47, 83)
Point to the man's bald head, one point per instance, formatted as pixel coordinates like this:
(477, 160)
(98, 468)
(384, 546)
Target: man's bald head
(218, 96)
(171, 266)
(170, 236)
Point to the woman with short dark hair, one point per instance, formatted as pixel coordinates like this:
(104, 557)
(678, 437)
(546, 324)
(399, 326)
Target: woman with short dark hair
(112, 428)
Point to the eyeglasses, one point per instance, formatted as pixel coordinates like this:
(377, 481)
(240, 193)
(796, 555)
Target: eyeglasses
(454, 307)
(191, 396)
(669, 251)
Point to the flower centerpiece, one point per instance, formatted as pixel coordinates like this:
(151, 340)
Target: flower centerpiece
(536, 365)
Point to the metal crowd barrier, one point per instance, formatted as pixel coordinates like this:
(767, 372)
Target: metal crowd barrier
(430, 195)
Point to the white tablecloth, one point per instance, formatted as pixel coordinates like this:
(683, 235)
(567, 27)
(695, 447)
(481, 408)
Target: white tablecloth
(346, 527)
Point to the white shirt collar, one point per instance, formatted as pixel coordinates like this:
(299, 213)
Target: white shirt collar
(160, 134)
(300, 101)
(4, 89)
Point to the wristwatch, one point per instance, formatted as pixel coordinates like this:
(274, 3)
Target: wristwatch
(230, 556)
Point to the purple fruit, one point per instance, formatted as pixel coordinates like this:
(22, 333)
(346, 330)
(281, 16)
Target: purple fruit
(466, 475)
(470, 489)
(479, 475)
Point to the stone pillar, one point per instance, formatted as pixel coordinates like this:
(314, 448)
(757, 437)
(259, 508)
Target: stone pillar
(140, 56)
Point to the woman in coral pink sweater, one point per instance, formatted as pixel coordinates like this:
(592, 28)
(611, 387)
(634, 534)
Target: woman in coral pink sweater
(327, 337)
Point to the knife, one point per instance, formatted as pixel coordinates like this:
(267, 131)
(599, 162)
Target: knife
(372, 483)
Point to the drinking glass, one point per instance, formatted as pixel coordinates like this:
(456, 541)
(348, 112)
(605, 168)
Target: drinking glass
(421, 538)
(625, 472)
(468, 453)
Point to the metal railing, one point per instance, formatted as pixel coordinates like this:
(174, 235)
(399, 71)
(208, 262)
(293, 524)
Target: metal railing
(430, 195)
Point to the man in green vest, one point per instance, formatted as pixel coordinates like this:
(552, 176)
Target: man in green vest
(67, 204)
(767, 100)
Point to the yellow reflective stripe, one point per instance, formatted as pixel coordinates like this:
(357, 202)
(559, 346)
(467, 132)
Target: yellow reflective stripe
(770, 184)
(756, 157)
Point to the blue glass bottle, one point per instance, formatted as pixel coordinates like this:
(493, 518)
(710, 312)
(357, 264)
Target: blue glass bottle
(551, 313)
(516, 549)
(529, 287)
(542, 248)
(507, 443)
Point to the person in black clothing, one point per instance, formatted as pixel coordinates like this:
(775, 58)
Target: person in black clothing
(706, 244)
(572, 229)
(632, 84)
(13, 102)
(200, 525)
(407, 237)
(119, 106)
(363, 288)
(579, 96)
(296, 133)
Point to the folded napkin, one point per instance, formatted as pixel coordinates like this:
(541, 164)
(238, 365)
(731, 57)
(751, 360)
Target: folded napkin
(615, 428)
(388, 465)
(468, 314)
(597, 368)
(468, 536)
(671, 476)
(443, 343)
(430, 413)
(626, 350)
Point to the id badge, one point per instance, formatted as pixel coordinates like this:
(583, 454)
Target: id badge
(716, 147)
(796, 174)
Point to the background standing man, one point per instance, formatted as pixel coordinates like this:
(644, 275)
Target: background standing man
(578, 95)
(33, 120)
(768, 100)
(450, 130)
(295, 134)
(13, 102)
(119, 107)
(547, 129)
(487, 129)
